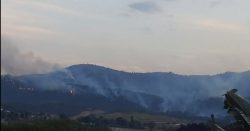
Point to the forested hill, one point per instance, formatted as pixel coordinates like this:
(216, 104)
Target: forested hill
(91, 86)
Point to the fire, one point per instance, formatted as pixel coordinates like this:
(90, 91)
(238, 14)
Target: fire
(71, 92)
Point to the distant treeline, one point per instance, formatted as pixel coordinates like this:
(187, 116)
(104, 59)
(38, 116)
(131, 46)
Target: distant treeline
(51, 125)
(117, 122)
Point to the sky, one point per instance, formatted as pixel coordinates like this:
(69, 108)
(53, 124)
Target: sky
(181, 36)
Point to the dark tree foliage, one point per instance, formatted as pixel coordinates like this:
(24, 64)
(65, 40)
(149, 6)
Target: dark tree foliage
(117, 122)
(236, 127)
(51, 125)
(194, 127)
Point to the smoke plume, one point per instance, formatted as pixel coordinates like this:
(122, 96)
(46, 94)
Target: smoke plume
(14, 62)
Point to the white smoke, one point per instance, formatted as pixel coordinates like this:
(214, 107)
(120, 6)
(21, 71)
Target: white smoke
(14, 62)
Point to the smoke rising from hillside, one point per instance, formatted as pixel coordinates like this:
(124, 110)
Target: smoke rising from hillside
(16, 63)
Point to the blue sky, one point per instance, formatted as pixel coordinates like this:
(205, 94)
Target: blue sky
(182, 36)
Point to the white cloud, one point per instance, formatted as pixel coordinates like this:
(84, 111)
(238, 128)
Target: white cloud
(26, 31)
(44, 6)
(220, 25)
(145, 7)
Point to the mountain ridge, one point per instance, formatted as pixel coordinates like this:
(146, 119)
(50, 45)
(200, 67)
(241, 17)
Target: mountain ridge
(160, 72)
(153, 91)
(146, 72)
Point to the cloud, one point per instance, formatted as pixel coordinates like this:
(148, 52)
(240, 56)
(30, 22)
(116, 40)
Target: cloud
(44, 6)
(32, 29)
(215, 3)
(27, 31)
(16, 63)
(219, 25)
(53, 7)
(145, 7)
(172, 0)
